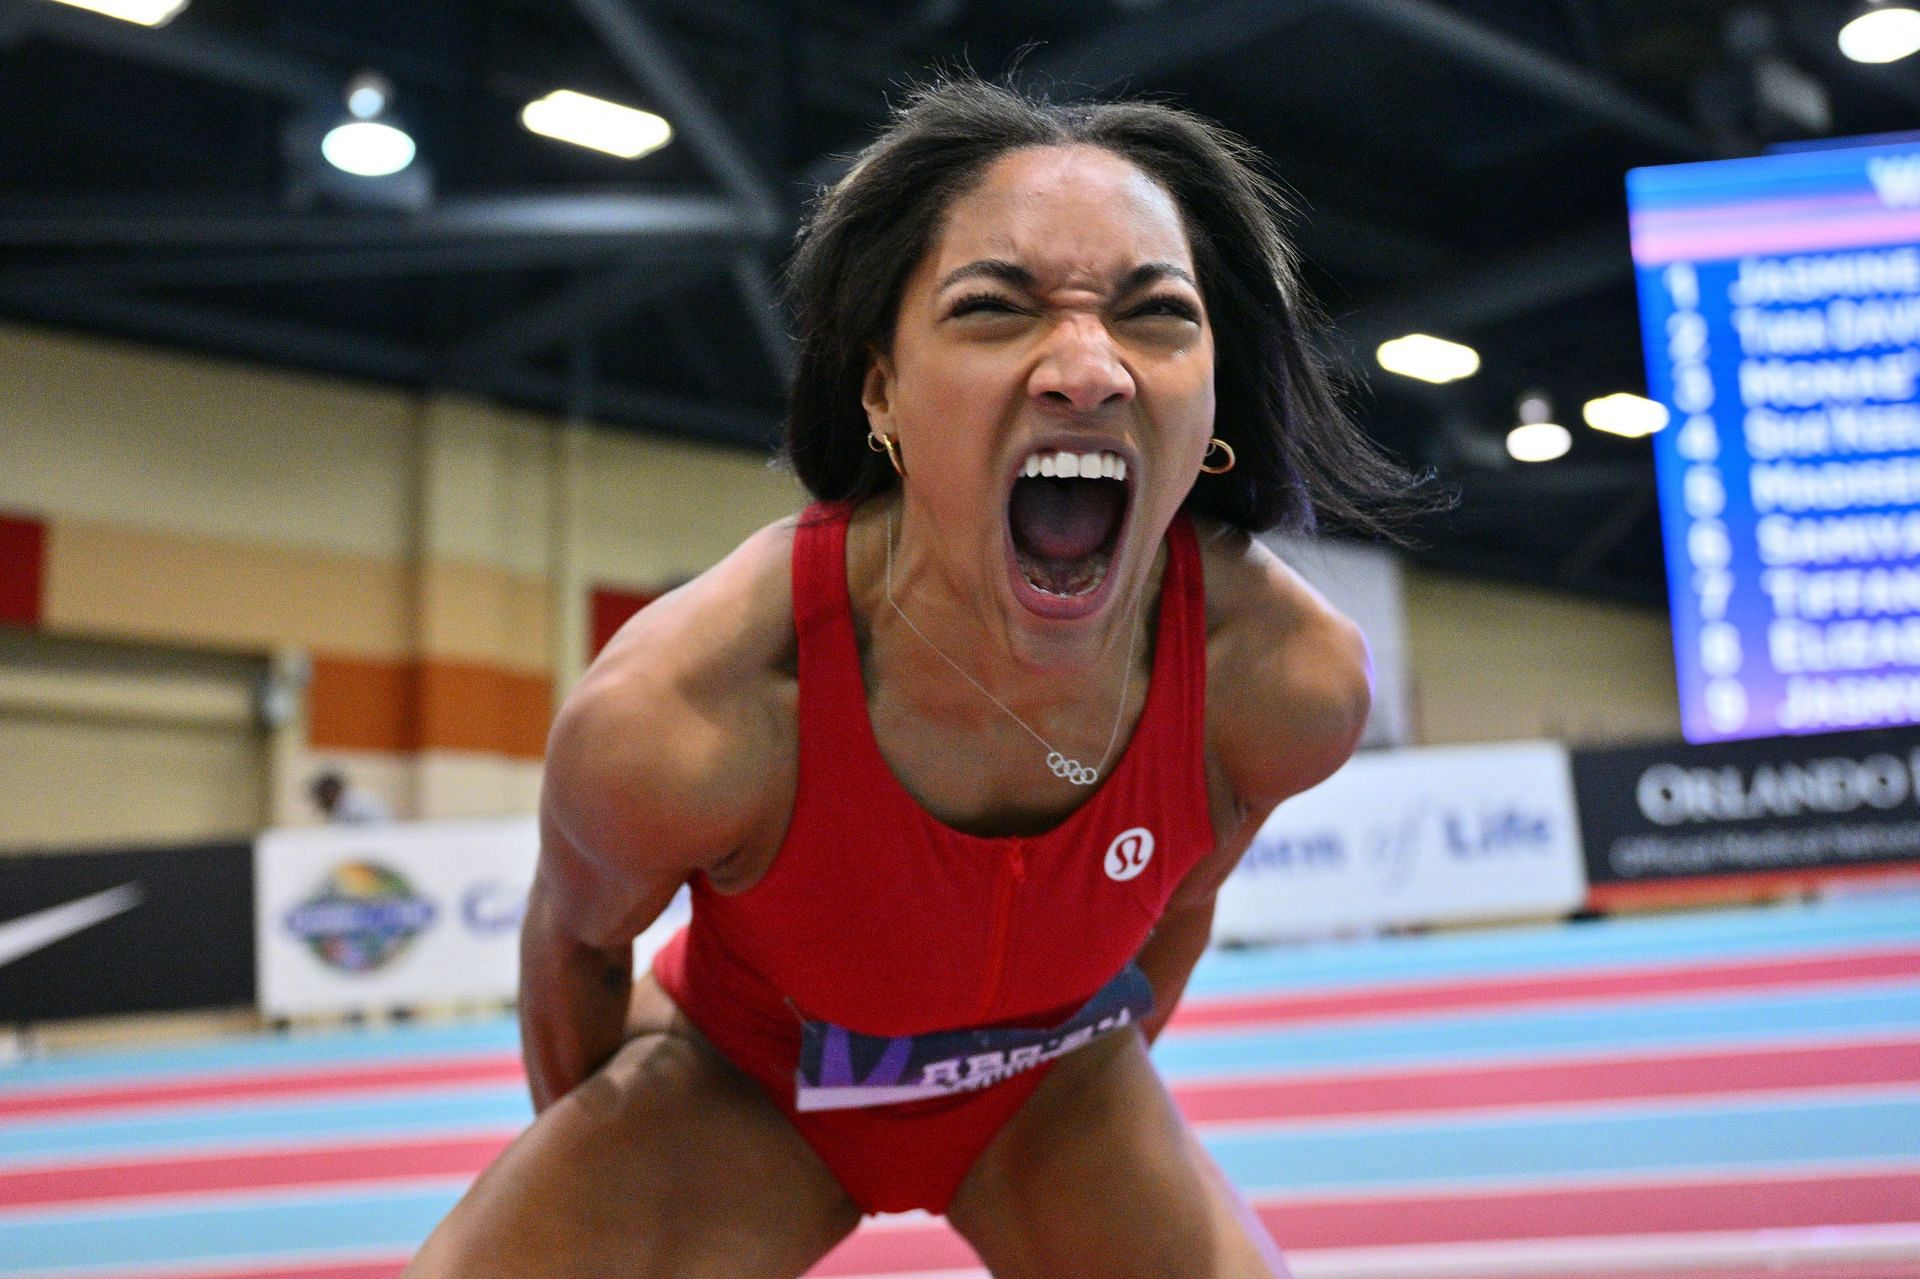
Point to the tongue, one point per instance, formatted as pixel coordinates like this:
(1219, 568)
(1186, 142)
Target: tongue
(1064, 519)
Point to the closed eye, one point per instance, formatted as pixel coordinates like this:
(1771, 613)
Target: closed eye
(988, 303)
(1176, 307)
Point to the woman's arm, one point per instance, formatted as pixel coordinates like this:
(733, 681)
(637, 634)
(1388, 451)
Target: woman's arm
(1302, 688)
(1168, 958)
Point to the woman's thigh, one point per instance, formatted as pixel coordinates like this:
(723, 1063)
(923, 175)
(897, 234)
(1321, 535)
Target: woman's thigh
(667, 1161)
(1099, 1176)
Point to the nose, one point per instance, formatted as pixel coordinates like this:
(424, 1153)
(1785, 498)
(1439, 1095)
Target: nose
(1079, 370)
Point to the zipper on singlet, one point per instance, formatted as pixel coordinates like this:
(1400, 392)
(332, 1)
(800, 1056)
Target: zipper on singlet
(1013, 873)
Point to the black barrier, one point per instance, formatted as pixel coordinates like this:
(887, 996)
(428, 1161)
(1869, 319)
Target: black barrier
(1765, 807)
(91, 934)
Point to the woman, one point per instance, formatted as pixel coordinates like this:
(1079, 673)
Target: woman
(957, 759)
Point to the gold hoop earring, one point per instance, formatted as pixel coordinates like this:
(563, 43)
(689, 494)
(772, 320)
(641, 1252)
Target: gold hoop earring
(891, 447)
(1217, 443)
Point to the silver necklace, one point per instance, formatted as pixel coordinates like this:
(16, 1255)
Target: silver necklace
(1063, 765)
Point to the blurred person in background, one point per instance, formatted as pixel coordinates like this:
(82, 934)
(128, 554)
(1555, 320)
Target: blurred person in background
(344, 804)
(957, 759)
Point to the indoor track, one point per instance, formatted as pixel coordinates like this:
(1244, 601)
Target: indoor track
(1734, 1094)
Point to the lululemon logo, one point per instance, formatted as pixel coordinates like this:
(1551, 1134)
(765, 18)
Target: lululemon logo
(1129, 853)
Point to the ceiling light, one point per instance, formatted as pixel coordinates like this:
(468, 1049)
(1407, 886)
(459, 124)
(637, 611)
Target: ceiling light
(367, 148)
(148, 13)
(368, 94)
(1430, 359)
(1622, 414)
(1882, 33)
(596, 123)
(1538, 441)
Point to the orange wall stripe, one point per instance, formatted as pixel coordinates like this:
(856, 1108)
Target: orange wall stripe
(23, 569)
(1711, 890)
(466, 706)
(359, 703)
(365, 704)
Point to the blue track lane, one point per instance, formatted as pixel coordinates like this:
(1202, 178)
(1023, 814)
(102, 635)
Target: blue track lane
(501, 1108)
(1646, 1140)
(1613, 1141)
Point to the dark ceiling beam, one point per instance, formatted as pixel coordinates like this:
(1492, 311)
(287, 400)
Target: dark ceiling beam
(240, 333)
(1152, 47)
(223, 270)
(645, 57)
(1369, 248)
(1143, 50)
(1524, 483)
(1610, 534)
(1526, 66)
(1572, 267)
(587, 304)
(767, 314)
(151, 223)
(185, 47)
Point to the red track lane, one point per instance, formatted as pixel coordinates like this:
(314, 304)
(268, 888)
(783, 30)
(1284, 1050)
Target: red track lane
(504, 1068)
(1559, 988)
(1558, 1083)
(314, 1166)
(1390, 1220)
(438, 1072)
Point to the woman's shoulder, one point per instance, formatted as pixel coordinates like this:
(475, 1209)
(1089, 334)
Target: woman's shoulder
(1298, 670)
(697, 691)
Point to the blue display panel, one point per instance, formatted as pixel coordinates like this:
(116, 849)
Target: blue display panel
(1780, 303)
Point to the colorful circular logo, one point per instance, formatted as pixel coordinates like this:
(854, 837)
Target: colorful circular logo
(360, 917)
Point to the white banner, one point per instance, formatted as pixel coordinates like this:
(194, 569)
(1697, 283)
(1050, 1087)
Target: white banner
(1442, 834)
(376, 917)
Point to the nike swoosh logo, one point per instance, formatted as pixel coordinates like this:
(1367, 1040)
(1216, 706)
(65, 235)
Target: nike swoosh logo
(21, 937)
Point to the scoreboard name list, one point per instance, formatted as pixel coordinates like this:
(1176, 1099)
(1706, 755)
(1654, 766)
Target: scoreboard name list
(1781, 304)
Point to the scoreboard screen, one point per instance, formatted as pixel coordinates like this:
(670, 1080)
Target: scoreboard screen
(1780, 306)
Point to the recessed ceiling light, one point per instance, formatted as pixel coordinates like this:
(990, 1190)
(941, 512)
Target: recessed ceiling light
(148, 13)
(1538, 441)
(596, 123)
(367, 148)
(1884, 33)
(1428, 358)
(1622, 414)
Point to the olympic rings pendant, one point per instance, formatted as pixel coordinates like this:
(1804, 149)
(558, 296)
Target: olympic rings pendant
(1072, 770)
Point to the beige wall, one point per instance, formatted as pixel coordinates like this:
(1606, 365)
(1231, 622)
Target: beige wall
(113, 433)
(1492, 662)
(122, 744)
(432, 557)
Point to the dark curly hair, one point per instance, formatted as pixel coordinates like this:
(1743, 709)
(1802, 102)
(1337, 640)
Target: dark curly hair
(1300, 456)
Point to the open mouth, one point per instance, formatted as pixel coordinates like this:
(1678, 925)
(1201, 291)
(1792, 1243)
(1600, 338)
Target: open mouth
(1065, 517)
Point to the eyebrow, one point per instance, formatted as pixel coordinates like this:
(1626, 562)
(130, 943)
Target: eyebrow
(1020, 278)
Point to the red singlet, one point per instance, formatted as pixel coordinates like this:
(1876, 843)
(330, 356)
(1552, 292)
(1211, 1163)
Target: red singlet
(884, 954)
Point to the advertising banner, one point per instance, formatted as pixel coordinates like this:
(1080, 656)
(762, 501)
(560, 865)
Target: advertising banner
(107, 933)
(1455, 833)
(1783, 809)
(377, 917)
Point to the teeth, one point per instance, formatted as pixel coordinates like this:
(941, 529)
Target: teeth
(1061, 465)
